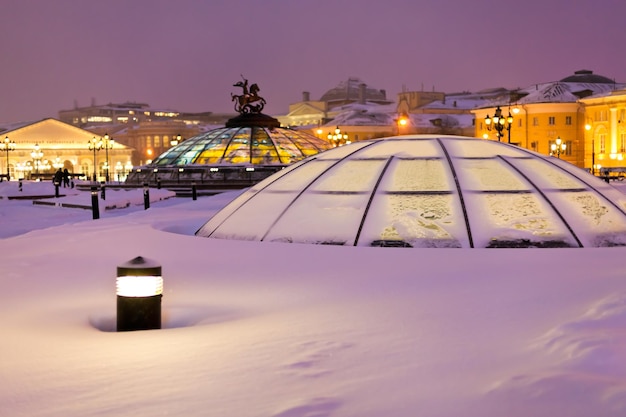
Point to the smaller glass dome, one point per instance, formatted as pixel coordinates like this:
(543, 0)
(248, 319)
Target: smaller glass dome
(243, 145)
(428, 191)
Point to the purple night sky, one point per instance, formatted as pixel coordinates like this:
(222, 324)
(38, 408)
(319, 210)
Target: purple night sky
(186, 54)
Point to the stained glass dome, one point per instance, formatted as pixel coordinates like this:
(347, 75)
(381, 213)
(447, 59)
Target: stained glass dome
(244, 145)
(426, 191)
(249, 148)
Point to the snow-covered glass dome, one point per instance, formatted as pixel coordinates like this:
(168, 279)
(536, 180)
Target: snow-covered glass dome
(243, 145)
(428, 191)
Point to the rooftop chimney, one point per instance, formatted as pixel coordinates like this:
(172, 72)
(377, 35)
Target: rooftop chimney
(306, 96)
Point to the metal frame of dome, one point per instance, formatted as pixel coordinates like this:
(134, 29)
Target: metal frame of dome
(428, 191)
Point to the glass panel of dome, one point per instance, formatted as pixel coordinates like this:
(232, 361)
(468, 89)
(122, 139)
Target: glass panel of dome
(222, 215)
(592, 215)
(238, 151)
(289, 150)
(409, 175)
(488, 175)
(330, 219)
(263, 150)
(350, 176)
(297, 180)
(423, 221)
(545, 175)
(246, 224)
(515, 220)
(480, 148)
(403, 148)
(191, 156)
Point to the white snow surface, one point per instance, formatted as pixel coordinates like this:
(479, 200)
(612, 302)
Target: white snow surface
(293, 330)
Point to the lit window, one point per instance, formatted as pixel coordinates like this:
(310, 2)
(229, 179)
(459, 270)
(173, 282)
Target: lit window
(602, 138)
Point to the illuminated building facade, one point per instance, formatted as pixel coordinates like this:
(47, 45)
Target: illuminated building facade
(605, 131)
(44, 146)
(560, 112)
(148, 131)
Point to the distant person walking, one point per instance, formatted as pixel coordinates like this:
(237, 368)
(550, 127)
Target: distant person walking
(66, 178)
(58, 177)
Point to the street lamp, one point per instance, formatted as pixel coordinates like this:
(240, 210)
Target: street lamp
(108, 144)
(558, 147)
(37, 154)
(57, 163)
(95, 144)
(7, 145)
(338, 138)
(175, 140)
(500, 123)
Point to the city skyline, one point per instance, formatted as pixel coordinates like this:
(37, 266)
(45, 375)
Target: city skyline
(186, 56)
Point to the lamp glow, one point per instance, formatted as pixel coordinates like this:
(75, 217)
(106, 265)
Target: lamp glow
(139, 286)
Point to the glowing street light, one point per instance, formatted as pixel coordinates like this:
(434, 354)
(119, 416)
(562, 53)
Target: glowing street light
(95, 144)
(139, 289)
(7, 145)
(499, 123)
(401, 122)
(338, 138)
(558, 147)
(107, 144)
(37, 155)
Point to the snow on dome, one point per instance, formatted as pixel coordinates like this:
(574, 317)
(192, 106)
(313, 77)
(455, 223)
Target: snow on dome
(428, 191)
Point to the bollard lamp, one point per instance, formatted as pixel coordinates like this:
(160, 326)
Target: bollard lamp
(139, 288)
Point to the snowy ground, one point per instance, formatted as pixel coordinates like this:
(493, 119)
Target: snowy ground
(288, 330)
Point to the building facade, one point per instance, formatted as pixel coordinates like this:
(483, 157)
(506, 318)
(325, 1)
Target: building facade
(605, 131)
(572, 112)
(42, 147)
(147, 130)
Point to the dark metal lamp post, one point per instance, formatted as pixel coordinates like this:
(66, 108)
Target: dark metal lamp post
(557, 148)
(500, 123)
(37, 155)
(7, 145)
(95, 144)
(108, 144)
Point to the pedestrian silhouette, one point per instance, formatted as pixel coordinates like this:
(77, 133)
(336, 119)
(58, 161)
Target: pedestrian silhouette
(58, 177)
(66, 178)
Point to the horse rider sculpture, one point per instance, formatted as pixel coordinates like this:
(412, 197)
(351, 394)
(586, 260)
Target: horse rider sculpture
(244, 102)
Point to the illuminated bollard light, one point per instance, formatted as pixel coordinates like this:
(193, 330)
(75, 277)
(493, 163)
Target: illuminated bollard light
(139, 294)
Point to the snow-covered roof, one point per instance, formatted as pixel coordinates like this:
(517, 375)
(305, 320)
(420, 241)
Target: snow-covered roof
(369, 114)
(350, 90)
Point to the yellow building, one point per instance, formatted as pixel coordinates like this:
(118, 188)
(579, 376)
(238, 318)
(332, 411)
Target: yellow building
(551, 118)
(605, 131)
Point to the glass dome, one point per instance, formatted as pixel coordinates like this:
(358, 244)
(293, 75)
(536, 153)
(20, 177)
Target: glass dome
(427, 191)
(241, 145)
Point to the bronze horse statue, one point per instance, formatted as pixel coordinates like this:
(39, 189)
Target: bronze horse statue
(243, 102)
